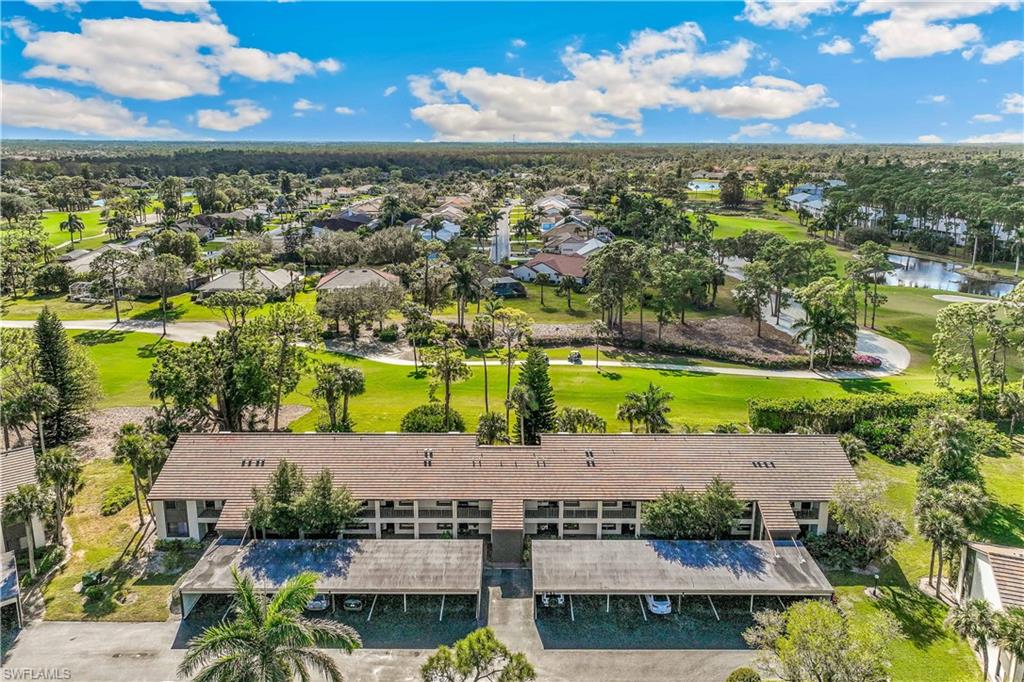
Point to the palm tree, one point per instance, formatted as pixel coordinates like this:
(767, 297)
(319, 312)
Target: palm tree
(269, 640)
(73, 224)
(41, 399)
(463, 286)
(543, 279)
(1016, 248)
(600, 330)
(334, 381)
(26, 503)
(942, 528)
(133, 447)
(482, 332)
(61, 472)
(566, 287)
(973, 621)
(1009, 631)
(649, 407)
(521, 399)
(390, 209)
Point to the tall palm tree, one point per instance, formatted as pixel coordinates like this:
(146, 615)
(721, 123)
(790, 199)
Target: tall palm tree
(566, 287)
(543, 279)
(522, 399)
(41, 399)
(1009, 631)
(61, 472)
(269, 640)
(73, 224)
(482, 332)
(973, 621)
(1017, 248)
(26, 503)
(334, 381)
(134, 448)
(648, 408)
(942, 528)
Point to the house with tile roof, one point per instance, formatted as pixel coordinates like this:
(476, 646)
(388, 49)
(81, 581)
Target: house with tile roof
(556, 266)
(994, 574)
(414, 485)
(17, 468)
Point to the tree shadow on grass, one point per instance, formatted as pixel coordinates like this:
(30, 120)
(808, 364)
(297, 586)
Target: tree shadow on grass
(895, 333)
(100, 336)
(1004, 525)
(174, 313)
(865, 386)
(150, 349)
(611, 376)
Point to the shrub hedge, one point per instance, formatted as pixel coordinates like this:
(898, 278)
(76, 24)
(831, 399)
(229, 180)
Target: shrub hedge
(839, 415)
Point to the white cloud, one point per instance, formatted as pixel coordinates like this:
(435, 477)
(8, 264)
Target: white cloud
(518, 43)
(244, 114)
(511, 55)
(344, 111)
(755, 130)
(54, 5)
(933, 99)
(1005, 137)
(838, 45)
(330, 65)
(986, 118)
(390, 90)
(1013, 103)
(200, 8)
(607, 92)
(817, 131)
(785, 13)
(997, 54)
(28, 106)
(158, 60)
(929, 139)
(921, 29)
(302, 105)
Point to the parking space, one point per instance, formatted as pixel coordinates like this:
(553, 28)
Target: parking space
(415, 623)
(624, 622)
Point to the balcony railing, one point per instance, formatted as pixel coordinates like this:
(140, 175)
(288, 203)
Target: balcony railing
(579, 513)
(435, 513)
(543, 513)
(392, 513)
(806, 513)
(619, 513)
(367, 512)
(474, 513)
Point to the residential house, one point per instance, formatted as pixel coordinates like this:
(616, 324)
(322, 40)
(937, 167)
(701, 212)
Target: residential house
(276, 284)
(413, 485)
(346, 220)
(505, 287)
(555, 266)
(446, 233)
(239, 218)
(994, 574)
(17, 468)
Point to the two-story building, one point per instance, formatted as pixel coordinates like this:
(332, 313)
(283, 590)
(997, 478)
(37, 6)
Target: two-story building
(445, 485)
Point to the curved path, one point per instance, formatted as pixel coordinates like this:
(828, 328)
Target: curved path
(188, 332)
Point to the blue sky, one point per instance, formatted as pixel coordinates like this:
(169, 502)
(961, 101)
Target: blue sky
(762, 71)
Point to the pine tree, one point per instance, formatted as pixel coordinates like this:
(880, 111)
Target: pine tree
(539, 416)
(71, 375)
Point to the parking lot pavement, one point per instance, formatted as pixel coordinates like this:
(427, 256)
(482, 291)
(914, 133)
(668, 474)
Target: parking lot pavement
(149, 652)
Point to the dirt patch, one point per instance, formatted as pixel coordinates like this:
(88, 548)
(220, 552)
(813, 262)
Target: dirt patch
(290, 413)
(105, 425)
(731, 339)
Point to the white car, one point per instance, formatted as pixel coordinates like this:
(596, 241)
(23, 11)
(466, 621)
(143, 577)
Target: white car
(658, 604)
(319, 602)
(547, 599)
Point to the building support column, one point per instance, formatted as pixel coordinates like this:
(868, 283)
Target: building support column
(193, 519)
(376, 514)
(416, 519)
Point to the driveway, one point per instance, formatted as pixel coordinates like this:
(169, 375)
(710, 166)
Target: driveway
(148, 652)
(501, 248)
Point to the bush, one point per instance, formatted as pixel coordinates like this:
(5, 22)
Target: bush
(95, 592)
(854, 447)
(884, 436)
(177, 545)
(839, 415)
(115, 499)
(924, 240)
(858, 235)
(429, 418)
(743, 674)
(838, 550)
(388, 334)
(53, 278)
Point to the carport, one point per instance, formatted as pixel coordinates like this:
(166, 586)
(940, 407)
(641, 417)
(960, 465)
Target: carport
(675, 568)
(10, 593)
(354, 567)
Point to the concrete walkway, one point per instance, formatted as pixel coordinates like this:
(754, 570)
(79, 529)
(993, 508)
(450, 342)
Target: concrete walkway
(895, 357)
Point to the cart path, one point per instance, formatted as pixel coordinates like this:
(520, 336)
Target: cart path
(895, 357)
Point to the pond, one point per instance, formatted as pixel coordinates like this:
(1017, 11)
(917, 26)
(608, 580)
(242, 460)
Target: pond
(912, 271)
(702, 186)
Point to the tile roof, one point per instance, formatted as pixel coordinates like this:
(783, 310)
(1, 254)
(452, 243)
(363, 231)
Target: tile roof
(226, 466)
(778, 518)
(573, 266)
(17, 467)
(1008, 569)
(260, 279)
(355, 277)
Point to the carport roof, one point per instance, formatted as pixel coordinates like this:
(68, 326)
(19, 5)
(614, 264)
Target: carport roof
(724, 567)
(8, 578)
(344, 566)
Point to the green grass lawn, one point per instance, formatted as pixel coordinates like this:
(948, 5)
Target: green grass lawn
(51, 221)
(97, 542)
(928, 644)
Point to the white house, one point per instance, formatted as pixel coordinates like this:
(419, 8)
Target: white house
(555, 266)
(448, 232)
(17, 468)
(995, 574)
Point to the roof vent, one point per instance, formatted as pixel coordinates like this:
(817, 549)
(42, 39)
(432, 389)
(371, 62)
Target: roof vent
(428, 457)
(588, 458)
(763, 464)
